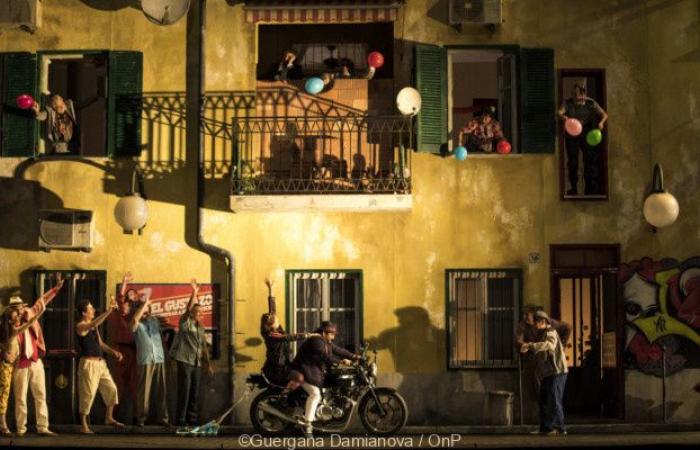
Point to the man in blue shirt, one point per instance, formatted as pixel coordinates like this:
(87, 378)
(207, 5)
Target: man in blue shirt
(150, 360)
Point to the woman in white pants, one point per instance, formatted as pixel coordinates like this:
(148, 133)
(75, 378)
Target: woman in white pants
(93, 374)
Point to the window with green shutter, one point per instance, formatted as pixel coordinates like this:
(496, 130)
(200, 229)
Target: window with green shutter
(431, 82)
(537, 108)
(18, 127)
(124, 103)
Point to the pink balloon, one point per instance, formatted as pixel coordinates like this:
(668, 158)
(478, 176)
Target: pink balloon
(25, 101)
(573, 126)
(375, 59)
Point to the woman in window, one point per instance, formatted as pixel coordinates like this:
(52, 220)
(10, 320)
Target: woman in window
(61, 125)
(93, 373)
(482, 131)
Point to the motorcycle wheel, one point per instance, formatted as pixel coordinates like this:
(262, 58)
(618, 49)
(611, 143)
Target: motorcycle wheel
(266, 423)
(396, 412)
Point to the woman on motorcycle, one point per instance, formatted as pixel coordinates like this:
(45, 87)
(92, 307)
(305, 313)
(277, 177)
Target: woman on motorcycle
(278, 354)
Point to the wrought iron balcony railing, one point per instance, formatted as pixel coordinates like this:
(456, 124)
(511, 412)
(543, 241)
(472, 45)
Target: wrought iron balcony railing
(351, 154)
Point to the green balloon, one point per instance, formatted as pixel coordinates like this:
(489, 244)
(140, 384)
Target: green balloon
(594, 137)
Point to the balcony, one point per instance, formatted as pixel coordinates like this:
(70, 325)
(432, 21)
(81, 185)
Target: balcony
(319, 154)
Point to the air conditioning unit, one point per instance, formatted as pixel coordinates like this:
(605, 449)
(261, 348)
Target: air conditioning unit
(65, 229)
(476, 12)
(23, 14)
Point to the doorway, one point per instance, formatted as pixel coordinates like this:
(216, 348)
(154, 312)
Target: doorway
(585, 295)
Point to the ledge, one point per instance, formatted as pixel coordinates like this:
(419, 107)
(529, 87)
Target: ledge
(327, 202)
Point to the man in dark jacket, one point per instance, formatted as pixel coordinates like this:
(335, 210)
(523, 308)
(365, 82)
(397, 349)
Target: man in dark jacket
(313, 359)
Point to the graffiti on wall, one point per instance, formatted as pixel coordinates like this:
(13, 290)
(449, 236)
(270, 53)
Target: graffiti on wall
(662, 311)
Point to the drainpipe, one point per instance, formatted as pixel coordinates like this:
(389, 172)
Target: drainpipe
(195, 96)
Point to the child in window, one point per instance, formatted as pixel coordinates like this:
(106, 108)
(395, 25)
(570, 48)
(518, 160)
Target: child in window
(482, 132)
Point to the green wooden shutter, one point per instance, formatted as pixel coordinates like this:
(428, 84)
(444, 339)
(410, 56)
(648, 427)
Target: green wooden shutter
(125, 79)
(537, 119)
(18, 127)
(431, 82)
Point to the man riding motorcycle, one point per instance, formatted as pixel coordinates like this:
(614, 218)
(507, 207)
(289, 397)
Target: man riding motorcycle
(315, 356)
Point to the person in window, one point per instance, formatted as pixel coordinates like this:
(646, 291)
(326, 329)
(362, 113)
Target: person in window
(150, 358)
(315, 356)
(587, 111)
(482, 132)
(29, 372)
(122, 339)
(551, 371)
(10, 329)
(190, 352)
(61, 126)
(288, 67)
(93, 373)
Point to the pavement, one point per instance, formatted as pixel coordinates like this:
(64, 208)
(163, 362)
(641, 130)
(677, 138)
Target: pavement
(413, 437)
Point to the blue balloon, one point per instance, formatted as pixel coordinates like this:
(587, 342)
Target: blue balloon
(460, 153)
(314, 85)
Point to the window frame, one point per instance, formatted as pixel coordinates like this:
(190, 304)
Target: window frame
(290, 300)
(511, 49)
(510, 272)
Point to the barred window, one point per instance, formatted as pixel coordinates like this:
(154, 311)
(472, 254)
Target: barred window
(315, 296)
(482, 313)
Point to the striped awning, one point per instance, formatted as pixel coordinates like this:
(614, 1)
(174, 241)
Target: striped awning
(310, 11)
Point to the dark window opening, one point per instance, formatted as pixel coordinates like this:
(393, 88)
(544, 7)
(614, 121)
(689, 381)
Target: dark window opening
(320, 46)
(83, 81)
(483, 82)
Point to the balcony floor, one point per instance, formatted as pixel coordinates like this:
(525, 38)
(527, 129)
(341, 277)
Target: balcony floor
(322, 202)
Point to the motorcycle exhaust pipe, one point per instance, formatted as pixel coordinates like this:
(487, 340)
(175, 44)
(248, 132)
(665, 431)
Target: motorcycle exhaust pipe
(276, 412)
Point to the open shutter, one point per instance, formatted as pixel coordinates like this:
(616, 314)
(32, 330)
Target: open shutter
(537, 119)
(18, 127)
(431, 82)
(124, 103)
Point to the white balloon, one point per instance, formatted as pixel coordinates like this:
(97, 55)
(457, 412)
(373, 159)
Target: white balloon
(661, 209)
(408, 101)
(131, 212)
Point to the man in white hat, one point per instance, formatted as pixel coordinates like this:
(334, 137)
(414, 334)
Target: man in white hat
(29, 372)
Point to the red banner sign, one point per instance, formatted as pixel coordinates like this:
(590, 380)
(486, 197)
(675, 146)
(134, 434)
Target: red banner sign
(169, 301)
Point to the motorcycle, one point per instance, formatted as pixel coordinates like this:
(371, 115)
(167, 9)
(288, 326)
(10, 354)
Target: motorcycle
(347, 391)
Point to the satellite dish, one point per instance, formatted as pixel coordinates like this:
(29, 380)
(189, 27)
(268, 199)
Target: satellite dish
(164, 12)
(408, 101)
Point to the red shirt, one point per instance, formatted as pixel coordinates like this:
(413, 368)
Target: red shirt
(23, 362)
(119, 331)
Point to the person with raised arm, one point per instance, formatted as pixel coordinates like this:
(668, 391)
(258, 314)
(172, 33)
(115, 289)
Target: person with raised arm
(29, 372)
(150, 359)
(93, 374)
(121, 338)
(10, 329)
(191, 353)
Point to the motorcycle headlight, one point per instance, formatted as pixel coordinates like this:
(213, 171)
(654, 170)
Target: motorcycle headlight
(373, 370)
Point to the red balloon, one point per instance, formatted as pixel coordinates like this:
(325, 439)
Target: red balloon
(375, 59)
(25, 101)
(503, 147)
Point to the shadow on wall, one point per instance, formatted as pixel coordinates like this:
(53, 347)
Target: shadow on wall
(112, 5)
(435, 395)
(20, 203)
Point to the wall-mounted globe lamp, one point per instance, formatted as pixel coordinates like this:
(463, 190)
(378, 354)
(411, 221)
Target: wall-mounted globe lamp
(660, 207)
(131, 211)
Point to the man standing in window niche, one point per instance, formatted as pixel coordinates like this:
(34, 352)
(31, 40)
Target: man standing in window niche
(61, 126)
(592, 116)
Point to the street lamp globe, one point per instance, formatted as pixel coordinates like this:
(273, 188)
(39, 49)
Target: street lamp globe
(131, 212)
(660, 207)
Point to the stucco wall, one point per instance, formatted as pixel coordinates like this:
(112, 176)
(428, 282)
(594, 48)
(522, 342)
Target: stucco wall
(485, 212)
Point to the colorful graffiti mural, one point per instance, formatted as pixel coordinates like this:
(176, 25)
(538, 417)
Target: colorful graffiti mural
(662, 310)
